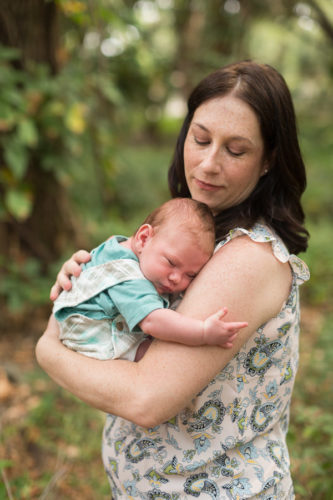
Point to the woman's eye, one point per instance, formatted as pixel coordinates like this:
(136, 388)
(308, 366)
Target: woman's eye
(200, 142)
(235, 153)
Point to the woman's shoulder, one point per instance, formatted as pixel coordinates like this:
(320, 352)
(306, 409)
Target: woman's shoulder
(270, 244)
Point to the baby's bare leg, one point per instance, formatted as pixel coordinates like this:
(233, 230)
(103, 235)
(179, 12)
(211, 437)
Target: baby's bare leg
(142, 349)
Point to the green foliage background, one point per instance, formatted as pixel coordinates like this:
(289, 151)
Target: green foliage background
(105, 126)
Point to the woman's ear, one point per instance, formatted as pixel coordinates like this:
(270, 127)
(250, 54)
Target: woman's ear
(265, 168)
(142, 236)
(268, 163)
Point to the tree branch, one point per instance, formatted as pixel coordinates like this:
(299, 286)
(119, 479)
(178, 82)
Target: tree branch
(322, 19)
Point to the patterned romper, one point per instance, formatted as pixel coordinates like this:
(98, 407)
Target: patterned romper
(98, 317)
(231, 442)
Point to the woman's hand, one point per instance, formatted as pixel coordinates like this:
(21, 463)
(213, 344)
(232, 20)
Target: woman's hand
(72, 267)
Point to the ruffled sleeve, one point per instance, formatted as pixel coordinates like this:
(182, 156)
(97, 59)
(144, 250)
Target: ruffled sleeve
(263, 234)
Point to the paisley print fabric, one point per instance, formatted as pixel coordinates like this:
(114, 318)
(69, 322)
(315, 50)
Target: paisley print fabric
(230, 443)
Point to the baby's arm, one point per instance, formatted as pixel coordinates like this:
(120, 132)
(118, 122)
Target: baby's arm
(169, 325)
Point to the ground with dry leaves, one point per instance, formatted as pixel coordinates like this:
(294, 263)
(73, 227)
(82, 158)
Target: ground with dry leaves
(43, 452)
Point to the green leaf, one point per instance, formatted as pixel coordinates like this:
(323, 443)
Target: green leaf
(12, 97)
(76, 118)
(5, 463)
(16, 157)
(7, 113)
(27, 133)
(112, 93)
(19, 203)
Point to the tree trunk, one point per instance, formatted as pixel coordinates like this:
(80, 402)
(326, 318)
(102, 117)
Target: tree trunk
(32, 27)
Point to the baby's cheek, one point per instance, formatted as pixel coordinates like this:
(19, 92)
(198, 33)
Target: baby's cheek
(186, 284)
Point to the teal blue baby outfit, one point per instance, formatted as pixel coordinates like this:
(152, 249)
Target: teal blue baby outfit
(98, 317)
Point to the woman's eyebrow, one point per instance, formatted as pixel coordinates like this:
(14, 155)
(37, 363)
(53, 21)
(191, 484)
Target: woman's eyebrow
(201, 126)
(233, 138)
(241, 138)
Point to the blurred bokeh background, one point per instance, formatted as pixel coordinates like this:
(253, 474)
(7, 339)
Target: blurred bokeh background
(92, 95)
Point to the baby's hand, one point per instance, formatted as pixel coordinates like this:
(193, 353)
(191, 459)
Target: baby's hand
(218, 332)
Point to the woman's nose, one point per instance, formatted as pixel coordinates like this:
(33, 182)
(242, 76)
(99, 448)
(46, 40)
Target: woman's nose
(211, 162)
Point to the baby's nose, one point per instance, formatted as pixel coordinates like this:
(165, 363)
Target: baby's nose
(175, 277)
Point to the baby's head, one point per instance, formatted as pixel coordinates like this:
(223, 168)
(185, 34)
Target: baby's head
(174, 243)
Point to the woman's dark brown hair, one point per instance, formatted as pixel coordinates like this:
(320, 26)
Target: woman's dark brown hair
(277, 197)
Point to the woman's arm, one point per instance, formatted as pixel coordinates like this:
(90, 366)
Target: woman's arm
(243, 275)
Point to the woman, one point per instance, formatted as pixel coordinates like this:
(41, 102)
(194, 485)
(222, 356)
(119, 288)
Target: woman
(206, 421)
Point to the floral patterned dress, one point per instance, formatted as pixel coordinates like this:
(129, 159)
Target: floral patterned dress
(231, 442)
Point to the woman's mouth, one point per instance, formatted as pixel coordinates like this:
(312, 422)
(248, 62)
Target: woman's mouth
(206, 186)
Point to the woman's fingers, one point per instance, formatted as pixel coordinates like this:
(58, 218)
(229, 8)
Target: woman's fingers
(79, 257)
(63, 283)
(72, 267)
(55, 291)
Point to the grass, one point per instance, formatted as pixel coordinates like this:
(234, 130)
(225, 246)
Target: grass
(310, 435)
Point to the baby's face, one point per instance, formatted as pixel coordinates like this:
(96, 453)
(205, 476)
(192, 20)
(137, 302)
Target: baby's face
(171, 259)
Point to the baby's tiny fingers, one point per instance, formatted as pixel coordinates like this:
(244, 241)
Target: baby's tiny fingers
(232, 337)
(236, 326)
(221, 313)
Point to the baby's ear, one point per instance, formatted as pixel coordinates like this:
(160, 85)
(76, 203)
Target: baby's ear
(143, 235)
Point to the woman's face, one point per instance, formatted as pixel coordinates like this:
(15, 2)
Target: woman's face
(223, 153)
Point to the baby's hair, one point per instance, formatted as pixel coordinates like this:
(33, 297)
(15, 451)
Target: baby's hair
(190, 215)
